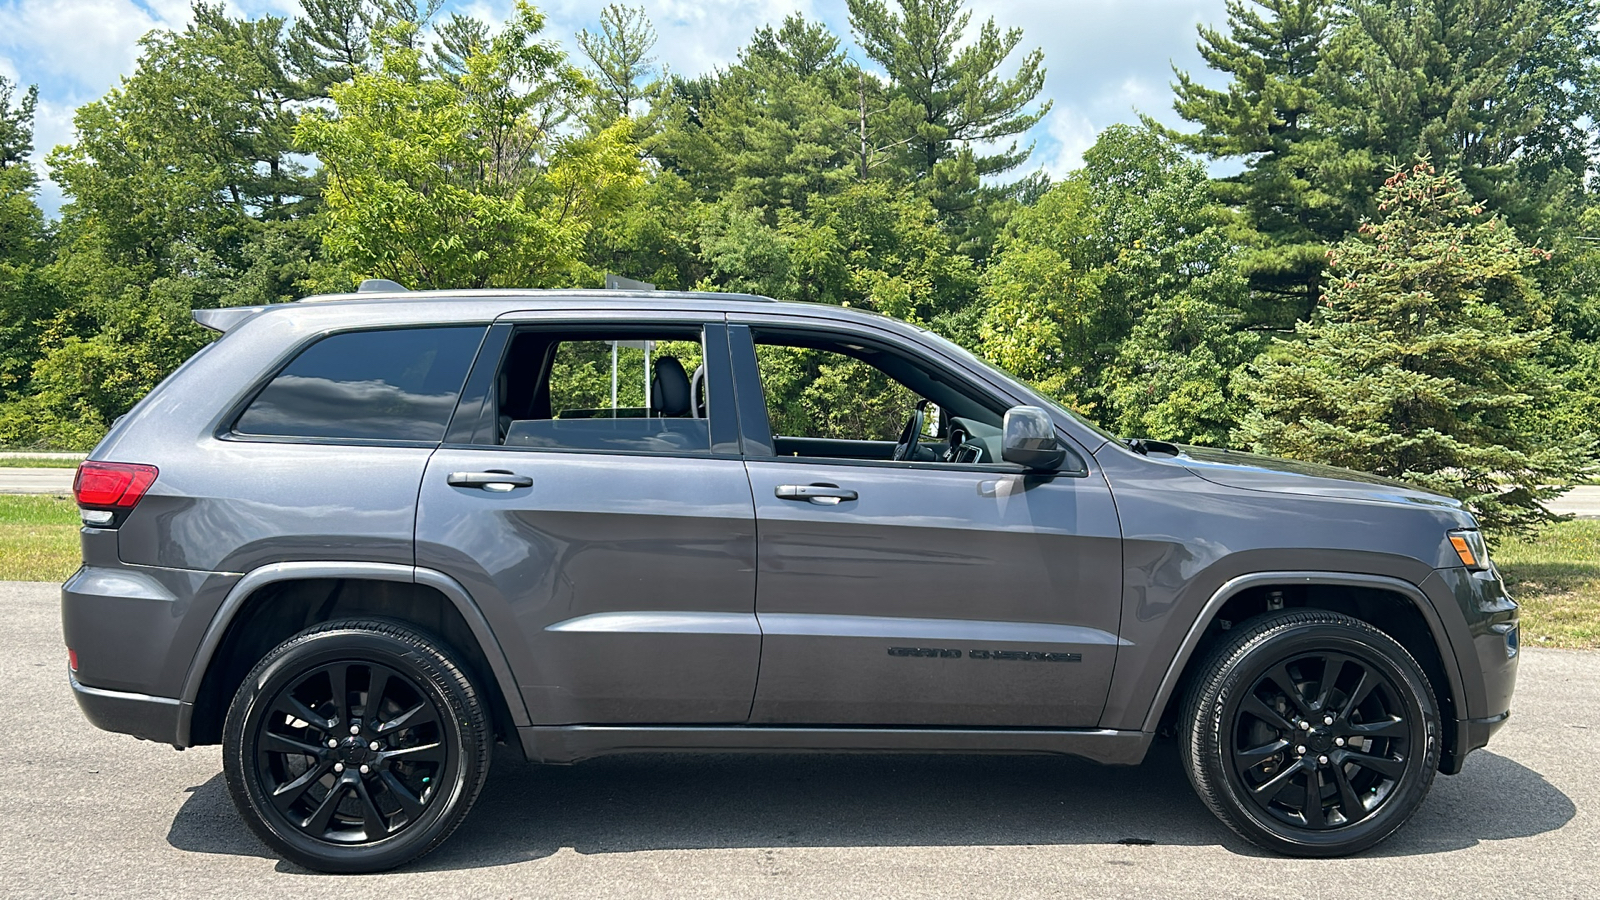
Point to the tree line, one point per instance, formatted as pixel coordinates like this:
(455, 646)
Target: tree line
(1402, 274)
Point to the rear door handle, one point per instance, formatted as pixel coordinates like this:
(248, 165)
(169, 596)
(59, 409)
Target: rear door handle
(820, 494)
(493, 480)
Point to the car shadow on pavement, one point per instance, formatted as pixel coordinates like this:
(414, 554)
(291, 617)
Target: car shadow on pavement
(631, 803)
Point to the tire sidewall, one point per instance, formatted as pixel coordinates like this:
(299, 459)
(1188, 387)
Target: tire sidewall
(1373, 649)
(290, 661)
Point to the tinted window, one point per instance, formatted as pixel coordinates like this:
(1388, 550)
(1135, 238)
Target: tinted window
(822, 394)
(633, 390)
(398, 385)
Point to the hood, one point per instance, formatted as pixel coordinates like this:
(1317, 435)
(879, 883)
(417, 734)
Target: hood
(1252, 472)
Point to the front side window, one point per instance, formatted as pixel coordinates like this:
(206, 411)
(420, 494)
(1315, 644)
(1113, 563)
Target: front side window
(630, 389)
(829, 397)
(393, 385)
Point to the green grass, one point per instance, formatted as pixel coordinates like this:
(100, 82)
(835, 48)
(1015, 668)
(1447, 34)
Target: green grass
(1555, 576)
(36, 462)
(1556, 579)
(38, 538)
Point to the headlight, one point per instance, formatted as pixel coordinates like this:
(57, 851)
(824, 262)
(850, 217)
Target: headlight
(1470, 546)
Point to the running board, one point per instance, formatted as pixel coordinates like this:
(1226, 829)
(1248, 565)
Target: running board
(571, 743)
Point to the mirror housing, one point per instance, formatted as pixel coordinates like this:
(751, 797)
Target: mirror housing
(1029, 439)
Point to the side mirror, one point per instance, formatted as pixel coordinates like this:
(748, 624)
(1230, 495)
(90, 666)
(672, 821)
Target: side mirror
(1029, 439)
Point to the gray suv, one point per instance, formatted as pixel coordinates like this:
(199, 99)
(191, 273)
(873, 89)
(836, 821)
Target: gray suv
(360, 539)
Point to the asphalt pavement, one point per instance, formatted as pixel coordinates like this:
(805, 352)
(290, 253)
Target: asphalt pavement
(86, 813)
(16, 480)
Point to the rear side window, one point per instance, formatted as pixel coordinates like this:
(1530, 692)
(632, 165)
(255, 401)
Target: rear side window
(396, 385)
(631, 390)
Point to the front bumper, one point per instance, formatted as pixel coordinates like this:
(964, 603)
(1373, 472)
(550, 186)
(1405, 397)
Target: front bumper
(141, 715)
(1470, 735)
(1487, 650)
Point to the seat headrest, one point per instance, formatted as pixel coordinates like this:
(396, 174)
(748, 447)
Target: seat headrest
(669, 389)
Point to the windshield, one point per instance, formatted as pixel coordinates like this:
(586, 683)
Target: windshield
(963, 353)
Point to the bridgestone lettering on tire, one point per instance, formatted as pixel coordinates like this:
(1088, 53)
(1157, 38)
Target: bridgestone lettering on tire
(1310, 733)
(356, 746)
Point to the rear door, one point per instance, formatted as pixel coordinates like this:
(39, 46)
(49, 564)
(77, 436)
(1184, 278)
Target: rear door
(917, 593)
(614, 525)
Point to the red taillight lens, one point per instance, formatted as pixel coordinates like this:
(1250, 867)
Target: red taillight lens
(110, 485)
(72, 659)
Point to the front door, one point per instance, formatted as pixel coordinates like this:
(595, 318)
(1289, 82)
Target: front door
(600, 506)
(945, 589)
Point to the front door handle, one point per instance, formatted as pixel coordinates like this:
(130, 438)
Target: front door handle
(820, 494)
(496, 480)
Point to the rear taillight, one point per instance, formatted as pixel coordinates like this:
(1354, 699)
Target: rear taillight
(72, 659)
(111, 486)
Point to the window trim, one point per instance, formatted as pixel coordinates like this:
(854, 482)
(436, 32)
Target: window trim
(227, 423)
(761, 444)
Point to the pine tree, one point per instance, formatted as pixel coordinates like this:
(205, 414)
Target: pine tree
(1422, 363)
(620, 60)
(955, 100)
(1498, 90)
(1292, 189)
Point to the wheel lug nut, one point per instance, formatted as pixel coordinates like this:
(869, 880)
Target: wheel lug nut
(1327, 720)
(1339, 741)
(338, 767)
(1320, 759)
(355, 729)
(374, 745)
(365, 770)
(1301, 749)
(1305, 726)
(332, 743)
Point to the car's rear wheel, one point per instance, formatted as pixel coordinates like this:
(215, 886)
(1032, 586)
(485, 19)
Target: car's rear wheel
(356, 746)
(1311, 733)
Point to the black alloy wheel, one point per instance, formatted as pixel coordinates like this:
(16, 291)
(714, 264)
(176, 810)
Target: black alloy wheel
(351, 752)
(1311, 733)
(355, 746)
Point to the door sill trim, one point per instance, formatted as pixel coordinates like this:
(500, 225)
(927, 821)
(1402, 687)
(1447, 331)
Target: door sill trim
(572, 743)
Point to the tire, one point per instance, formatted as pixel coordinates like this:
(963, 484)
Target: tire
(314, 805)
(1257, 744)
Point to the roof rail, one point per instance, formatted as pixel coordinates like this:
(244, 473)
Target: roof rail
(380, 285)
(369, 292)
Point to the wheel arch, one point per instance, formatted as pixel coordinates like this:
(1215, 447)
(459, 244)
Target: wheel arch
(314, 591)
(1351, 593)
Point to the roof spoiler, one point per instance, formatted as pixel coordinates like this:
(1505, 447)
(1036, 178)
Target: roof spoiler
(220, 320)
(380, 286)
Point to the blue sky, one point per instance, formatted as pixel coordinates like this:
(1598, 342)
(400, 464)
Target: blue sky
(1108, 60)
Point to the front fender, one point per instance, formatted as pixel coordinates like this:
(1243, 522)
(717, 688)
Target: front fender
(1438, 627)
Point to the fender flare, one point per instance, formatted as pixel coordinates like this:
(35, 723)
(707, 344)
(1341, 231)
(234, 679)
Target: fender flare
(1233, 586)
(370, 571)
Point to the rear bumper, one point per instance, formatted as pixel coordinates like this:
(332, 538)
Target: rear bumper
(141, 715)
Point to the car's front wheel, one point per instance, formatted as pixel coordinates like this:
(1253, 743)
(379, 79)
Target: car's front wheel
(1311, 733)
(356, 746)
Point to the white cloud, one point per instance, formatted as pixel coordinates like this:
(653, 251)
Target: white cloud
(76, 48)
(1068, 133)
(694, 35)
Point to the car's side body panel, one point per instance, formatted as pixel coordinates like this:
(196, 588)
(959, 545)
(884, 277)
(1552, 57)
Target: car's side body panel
(1185, 537)
(627, 582)
(960, 597)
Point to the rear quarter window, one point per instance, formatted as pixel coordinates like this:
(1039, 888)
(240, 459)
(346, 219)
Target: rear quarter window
(394, 385)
